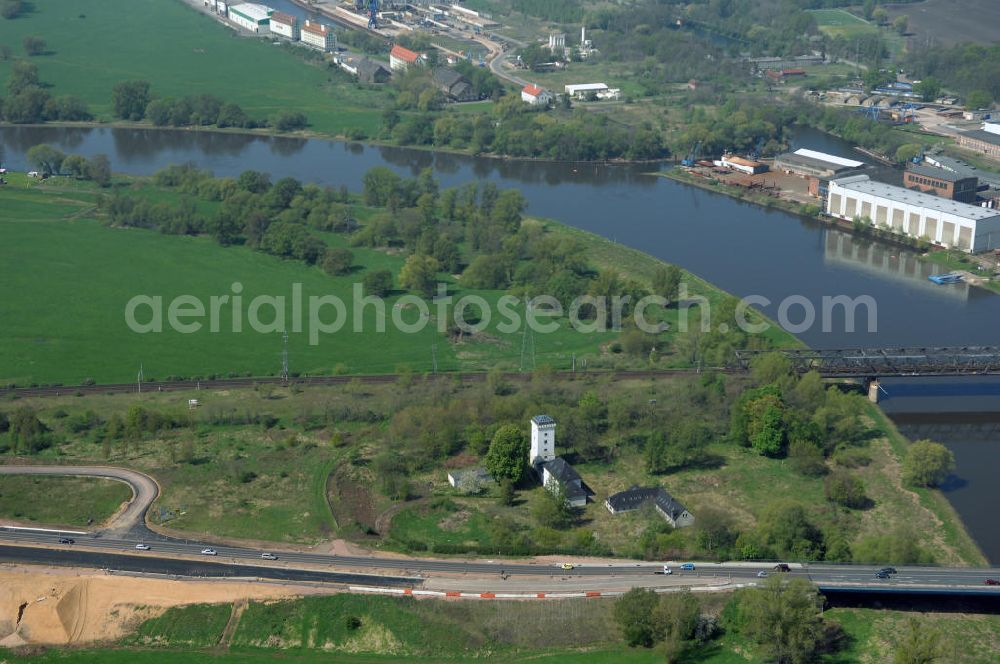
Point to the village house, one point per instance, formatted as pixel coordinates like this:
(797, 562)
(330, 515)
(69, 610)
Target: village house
(401, 58)
(454, 86)
(536, 96)
(666, 505)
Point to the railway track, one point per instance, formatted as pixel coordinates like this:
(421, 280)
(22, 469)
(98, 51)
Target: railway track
(316, 381)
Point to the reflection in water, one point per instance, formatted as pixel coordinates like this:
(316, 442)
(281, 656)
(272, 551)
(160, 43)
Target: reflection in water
(886, 261)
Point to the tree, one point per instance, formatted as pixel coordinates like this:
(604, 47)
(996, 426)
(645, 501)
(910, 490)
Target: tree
(667, 281)
(99, 170)
(901, 24)
(130, 99)
(907, 151)
(919, 644)
(27, 106)
(75, 165)
(33, 45)
(928, 89)
(507, 457)
(46, 158)
(23, 75)
(11, 9)
(552, 510)
(845, 489)
(380, 184)
(231, 115)
(337, 261)
(27, 432)
(676, 621)
(927, 463)
(978, 99)
(378, 283)
(635, 614)
(289, 121)
(159, 111)
(784, 618)
(419, 274)
(254, 181)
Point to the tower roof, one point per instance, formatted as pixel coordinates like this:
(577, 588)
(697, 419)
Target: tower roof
(543, 421)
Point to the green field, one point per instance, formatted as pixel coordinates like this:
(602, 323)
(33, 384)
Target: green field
(63, 501)
(840, 22)
(313, 630)
(94, 44)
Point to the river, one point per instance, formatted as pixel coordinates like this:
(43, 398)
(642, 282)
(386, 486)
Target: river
(745, 249)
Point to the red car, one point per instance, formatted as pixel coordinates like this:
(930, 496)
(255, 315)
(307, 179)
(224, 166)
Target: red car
(992, 582)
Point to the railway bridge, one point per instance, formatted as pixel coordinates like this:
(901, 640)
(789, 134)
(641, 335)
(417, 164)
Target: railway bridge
(871, 364)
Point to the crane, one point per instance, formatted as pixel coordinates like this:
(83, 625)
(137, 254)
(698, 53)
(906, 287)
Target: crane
(373, 14)
(692, 156)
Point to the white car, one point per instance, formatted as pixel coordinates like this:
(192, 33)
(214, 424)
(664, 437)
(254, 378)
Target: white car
(268, 556)
(209, 552)
(142, 547)
(761, 574)
(667, 570)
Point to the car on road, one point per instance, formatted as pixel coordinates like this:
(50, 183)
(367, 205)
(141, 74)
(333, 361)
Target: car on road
(66, 540)
(992, 582)
(888, 570)
(782, 567)
(567, 566)
(687, 567)
(664, 570)
(142, 547)
(882, 574)
(268, 556)
(209, 552)
(761, 574)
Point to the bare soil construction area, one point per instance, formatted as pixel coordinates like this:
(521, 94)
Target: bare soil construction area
(62, 606)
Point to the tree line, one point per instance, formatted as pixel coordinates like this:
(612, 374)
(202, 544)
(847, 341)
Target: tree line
(51, 161)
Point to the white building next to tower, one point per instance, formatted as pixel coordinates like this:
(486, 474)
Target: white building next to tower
(554, 472)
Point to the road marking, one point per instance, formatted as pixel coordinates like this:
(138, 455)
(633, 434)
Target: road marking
(46, 530)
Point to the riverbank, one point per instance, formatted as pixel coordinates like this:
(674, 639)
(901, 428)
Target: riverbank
(979, 269)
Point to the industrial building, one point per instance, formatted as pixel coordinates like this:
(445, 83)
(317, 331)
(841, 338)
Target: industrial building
(985, 140)
(600, 90)
(816, 164)
(285, 25)
(941, 182)
(748, 166)
(797, 62)
(251, 16)
(319, 36)
(945, 222)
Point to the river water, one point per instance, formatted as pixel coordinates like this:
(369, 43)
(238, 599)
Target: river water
(745, 249)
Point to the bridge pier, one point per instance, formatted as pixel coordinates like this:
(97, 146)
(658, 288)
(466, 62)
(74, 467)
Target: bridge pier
(873, 390)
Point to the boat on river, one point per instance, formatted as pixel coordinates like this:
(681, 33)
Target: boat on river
(950, 278)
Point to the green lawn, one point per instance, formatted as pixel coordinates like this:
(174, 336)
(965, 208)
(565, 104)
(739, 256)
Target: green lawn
(94, 44)
(195, 626)
(62, 501)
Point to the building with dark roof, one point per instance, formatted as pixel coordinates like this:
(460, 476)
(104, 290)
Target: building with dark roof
(370, 71)
(636, 497)
(941, 182)
(559, 473)
(981, 140)
(455, 86)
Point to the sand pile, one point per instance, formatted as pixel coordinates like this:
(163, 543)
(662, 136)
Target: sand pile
(54, 607)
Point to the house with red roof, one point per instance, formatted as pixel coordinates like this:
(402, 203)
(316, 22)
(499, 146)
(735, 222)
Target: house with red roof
(536, 96)
(401, 58)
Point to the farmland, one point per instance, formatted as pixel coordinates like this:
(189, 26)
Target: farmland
(182, 52)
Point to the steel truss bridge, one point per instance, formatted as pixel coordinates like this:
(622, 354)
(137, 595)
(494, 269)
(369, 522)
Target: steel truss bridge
(887, 362)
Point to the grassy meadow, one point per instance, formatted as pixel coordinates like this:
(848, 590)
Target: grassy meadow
(181, 51)
(64, 501)
(316, 629)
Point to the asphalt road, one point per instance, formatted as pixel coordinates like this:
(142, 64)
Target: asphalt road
(167, 555)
